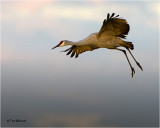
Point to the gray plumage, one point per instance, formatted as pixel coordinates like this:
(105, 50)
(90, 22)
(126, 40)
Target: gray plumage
(111, 35)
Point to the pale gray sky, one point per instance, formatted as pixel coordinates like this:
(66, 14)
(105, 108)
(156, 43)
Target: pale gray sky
(47, 88)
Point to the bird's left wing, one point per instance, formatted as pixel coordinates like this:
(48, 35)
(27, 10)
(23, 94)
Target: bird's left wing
(114, 26)
(76, 50)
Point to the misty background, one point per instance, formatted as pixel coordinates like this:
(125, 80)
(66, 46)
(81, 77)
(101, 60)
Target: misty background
(48, 88)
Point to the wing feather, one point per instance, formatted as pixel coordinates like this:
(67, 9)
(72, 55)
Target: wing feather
(108, 16)
(69, 51)
(76, 50)
(73, 52)
(112, 15)
(114, 26)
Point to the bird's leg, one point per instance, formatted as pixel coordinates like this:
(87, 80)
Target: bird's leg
(135, 60)
(132, 69)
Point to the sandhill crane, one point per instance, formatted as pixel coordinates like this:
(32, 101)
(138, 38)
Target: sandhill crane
(110, 36)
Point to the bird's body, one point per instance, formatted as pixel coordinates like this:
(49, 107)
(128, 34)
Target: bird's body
(110, 36)
(110, 42)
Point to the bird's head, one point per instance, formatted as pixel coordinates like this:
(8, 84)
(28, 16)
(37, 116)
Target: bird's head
(62, 43)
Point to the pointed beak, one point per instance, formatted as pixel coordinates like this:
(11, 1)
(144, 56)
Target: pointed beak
(55, 46)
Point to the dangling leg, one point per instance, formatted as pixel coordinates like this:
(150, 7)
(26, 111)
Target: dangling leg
(132, 69)
(135, 60)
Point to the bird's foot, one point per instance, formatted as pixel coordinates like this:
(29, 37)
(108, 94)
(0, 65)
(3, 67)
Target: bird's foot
(133, 71)
(139, 66)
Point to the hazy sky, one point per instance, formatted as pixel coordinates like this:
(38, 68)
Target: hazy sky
(48, 88)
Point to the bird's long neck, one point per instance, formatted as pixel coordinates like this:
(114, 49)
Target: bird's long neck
(90, 39)
(67, 42)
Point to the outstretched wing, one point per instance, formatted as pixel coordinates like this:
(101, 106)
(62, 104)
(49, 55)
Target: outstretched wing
(114, 26)
(76, 50)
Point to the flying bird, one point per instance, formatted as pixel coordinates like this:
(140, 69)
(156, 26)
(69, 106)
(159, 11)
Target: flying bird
(110, 36)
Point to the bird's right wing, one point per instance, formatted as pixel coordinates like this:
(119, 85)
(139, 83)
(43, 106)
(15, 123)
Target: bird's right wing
(114, 26)
(76, 50)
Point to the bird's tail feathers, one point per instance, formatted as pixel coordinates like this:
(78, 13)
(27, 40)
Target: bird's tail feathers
(128, 45)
